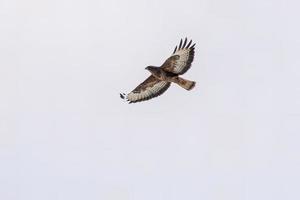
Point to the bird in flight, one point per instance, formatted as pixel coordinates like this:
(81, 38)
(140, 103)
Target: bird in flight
(162, 77)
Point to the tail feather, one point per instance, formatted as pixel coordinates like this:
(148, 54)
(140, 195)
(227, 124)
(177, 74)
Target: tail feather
(186, 84)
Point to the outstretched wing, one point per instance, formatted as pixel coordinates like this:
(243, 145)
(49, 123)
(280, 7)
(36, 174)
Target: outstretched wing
(181, 59)
(150, 88)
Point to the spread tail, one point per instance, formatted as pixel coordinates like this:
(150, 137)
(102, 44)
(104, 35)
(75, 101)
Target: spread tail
(186, 84)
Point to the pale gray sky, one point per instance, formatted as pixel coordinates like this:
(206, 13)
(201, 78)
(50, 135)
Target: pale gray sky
(66, 134)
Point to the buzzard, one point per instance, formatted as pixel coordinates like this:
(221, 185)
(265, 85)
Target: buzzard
(162, 77)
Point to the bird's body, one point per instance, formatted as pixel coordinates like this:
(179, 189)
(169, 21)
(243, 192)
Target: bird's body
(162, 77)
(161, 74)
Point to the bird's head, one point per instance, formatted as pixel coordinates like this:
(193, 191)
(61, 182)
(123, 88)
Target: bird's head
(149, 68)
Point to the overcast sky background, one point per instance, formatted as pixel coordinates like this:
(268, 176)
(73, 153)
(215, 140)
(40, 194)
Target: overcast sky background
(66, 134)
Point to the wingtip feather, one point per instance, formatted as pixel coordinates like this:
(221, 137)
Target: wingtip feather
(175, 50)
(189, 44)
(185, 40)
(180, 44)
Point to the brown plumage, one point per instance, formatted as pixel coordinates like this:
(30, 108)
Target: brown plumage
(162, 77)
